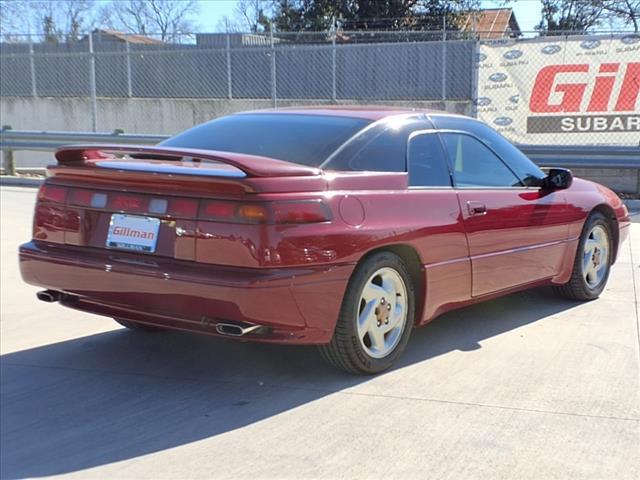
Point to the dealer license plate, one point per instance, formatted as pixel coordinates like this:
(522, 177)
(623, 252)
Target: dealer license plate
(130, 232)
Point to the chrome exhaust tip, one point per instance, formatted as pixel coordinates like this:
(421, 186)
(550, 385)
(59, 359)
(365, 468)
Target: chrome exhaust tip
(49, 296)
(234, 330)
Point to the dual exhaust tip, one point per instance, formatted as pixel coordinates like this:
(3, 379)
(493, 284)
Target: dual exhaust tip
(49, 296)
(235, 330)
(226, 329)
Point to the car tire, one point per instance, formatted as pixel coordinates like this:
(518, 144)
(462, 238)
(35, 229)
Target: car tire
(376, 317)
(590, 270)
(138, 327)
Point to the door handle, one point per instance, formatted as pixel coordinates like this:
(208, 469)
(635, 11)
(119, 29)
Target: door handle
(476, 208)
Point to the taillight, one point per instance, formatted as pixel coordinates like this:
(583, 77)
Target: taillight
(234, 212)
(52, 193)
(125, 202)
(308, 211)
(183, 207)
(219, 210)
(81, 197)
(252, 213)
(87, 198)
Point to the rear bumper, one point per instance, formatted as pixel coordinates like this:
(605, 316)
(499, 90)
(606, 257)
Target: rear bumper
(299, 305)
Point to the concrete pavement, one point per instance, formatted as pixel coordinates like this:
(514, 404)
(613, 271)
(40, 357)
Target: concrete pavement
(527, 386)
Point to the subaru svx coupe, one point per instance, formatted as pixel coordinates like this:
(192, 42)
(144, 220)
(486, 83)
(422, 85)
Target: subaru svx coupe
(342, 227)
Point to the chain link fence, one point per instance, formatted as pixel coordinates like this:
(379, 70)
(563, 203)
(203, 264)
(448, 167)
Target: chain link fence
(498, 80)
(243, 66)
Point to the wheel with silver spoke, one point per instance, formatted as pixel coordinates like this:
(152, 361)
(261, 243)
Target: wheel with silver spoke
(376, 316)
(593, 261)
(595, 257)
(382, 313)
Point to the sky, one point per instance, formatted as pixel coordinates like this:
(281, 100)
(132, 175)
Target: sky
(212, 11)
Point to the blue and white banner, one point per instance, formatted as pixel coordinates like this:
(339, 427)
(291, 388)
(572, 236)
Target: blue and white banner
(566, 91)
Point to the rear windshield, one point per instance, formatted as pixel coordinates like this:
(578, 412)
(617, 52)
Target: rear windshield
(303, 139)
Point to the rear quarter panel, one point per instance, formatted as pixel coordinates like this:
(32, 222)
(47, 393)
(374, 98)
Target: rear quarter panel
(427, 220)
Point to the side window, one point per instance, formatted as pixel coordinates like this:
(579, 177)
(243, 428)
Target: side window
(427, 162)
(474, 165)
(528, 171)
(382, 148)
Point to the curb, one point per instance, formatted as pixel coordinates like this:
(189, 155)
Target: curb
(14, 181)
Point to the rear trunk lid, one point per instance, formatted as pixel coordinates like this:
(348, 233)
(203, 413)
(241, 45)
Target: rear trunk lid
(180, 203)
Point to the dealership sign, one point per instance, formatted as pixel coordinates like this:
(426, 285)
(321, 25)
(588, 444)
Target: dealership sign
(573, 91)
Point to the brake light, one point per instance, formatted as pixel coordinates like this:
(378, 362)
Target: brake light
(51, 193)
(125, 202)
(81, 197)
(219, 210)
(309, 211)
(183, 207)
(234, 212)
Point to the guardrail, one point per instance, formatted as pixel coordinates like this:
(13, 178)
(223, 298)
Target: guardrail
(544, 155)
(40, 141)
(583, 156)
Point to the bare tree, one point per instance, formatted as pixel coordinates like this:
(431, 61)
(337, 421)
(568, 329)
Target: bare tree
(15, 19)
(56, 20)
(253, 14)
(163, 18)
(229, 25)
(625, 11)
(561, 16)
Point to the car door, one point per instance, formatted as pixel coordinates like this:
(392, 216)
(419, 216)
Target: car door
(442, 242)
(516, 234)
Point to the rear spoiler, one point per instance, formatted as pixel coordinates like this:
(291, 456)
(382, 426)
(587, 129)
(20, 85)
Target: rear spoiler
(251, 165)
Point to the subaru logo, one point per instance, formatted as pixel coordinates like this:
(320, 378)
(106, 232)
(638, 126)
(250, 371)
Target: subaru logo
(498, 77)
(551, 49)
(590, 44)
(514, 98)
(481, 57)
(502, 42)
(503, 121)
(512, 54)
(630, 39)
(482, 101)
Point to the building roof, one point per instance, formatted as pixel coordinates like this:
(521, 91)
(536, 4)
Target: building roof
(491, 23)
(126, 37)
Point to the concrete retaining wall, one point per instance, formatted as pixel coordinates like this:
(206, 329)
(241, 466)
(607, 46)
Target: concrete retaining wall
(164, 116)
(625, 180)
(169, 116)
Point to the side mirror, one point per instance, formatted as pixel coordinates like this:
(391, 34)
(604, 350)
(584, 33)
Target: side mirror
(557, 179)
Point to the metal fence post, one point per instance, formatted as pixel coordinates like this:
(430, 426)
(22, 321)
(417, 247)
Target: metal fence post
(333, 67)
(32, 66)
(444, 57)
(475, 72)
(274, 98)
(92, 85)
(129, 84)
(228, 49)
(9, 162)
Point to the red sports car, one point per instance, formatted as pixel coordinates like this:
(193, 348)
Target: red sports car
(341, 227)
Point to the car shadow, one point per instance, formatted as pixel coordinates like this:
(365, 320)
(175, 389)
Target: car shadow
(118, 395)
